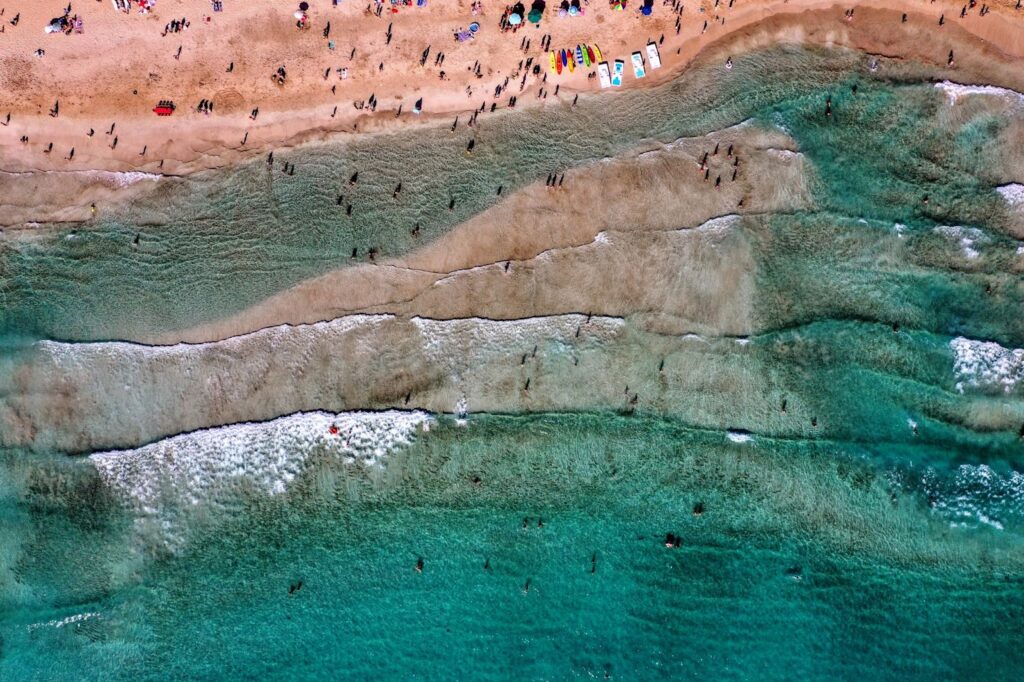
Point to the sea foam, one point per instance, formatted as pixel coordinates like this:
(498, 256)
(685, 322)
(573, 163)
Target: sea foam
(191, 467)
(954, 91)
(1013, 194)
(986, 365)
(969, 238)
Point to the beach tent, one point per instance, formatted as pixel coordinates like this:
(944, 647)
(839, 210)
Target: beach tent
(515, 19)
(647, 8)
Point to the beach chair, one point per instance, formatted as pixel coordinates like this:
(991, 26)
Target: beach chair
(638, 65)
(617, 72)
(653, 57)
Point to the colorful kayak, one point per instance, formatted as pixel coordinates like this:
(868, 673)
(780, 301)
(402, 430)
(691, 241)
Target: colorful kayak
(558, 63)
(565, 61)
(572, 63)
(551, 58)
(597, 53)
(579, 56)
(591, 54)
(586, 56)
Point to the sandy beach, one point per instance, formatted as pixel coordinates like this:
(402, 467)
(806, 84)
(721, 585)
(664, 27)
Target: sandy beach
(110, 77)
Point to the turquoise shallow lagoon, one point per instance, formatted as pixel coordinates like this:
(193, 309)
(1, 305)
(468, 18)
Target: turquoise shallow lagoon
(864, 519)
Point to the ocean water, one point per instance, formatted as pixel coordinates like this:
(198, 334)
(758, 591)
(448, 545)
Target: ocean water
(856, 460)
(806, 561)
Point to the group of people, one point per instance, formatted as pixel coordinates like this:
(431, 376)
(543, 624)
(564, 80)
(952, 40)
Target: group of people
(176, 26)
(66, 24)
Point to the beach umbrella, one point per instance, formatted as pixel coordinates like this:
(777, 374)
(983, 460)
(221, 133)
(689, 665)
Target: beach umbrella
(535, 16)
(303, 6)
(515, 19)
(474, 27)
(573, 11)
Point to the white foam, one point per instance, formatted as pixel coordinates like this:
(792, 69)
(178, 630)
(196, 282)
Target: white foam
(191, 467)
(70, 620)
(442, 339)
(717, 225)
(954, 91)
(602, 238)
(785, 154)
(1012, 193)
(83, 352)
(986, 364)
(124, 178)
(976, 496)
(969, 238)
(739, 437)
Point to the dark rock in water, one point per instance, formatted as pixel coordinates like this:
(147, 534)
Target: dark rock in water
(698, 509)
(294, 587)
(795, 572)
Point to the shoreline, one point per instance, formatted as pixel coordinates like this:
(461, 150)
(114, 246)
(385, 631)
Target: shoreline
(188, 142)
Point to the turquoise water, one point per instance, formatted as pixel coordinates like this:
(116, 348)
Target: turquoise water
(837, 543)
(806, 562)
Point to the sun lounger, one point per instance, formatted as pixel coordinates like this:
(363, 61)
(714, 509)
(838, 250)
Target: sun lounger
(638, 65)
(653, 58)
(617, 72)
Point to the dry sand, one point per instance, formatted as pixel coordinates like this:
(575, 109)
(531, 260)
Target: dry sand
(121, 66)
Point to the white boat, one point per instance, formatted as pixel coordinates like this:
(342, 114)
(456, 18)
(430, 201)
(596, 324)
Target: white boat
(653, 58)
(617, 72)
(603, 75)
(638, 65)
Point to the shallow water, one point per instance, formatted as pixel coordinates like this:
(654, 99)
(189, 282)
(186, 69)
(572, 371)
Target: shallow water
(857, 457)
(223, 240)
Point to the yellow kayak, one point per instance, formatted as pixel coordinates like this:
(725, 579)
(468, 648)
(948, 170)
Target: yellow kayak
(552, 57)
(597, 53)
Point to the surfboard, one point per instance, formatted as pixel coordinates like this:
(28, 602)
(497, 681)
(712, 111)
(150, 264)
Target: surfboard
(597, 53)
(579, 56)
(586, 56)
(558, 63)
(565, 59)
(551, 58)
(591, 54)
(572, 63)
